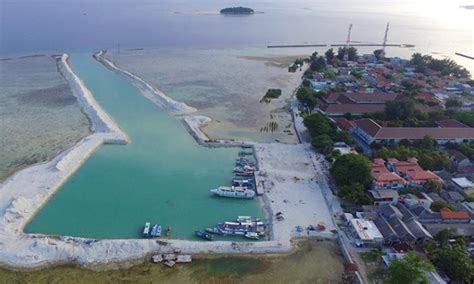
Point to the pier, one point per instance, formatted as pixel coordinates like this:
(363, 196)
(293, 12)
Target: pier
(401, 45)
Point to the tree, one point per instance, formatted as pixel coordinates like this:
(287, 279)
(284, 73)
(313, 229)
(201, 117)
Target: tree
(351, 52)
(433, 185)
(354, 193)
(410, 269)
(330, 55)
(427, 143)
(440, 204)
(318, 64)
(307, 96)
(379, 53)
(455, 261)
(306, 83)
(453, 103)
(352, 168)
(399, 109)
(322, 142)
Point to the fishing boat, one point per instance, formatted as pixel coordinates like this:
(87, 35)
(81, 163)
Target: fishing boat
(245, 153)
(146, 230)
(234, 192)
(203, 235)
(252, 235)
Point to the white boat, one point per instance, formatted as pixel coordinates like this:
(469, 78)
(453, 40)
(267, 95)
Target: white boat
(146, 229)
(234, 191)
(252, 235)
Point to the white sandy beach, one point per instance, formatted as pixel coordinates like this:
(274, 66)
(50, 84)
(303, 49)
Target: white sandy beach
(286, 172)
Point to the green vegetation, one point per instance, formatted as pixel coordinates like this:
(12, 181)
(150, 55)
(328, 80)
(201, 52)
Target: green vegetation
(352, 173)
(237, 11)
(453, 103)
(440, 204)
(318, 64)
(271, 94)
(410, 269)
(330, 55)
(433, 186)
(324, 132)
(373, 255)
(307, 96)
(466, 148)
(428, 158)
(446, 66)
(352, 53)
(449, 253)
(379, 54)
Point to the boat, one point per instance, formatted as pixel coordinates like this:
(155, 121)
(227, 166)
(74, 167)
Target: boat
(234, 191)
(242, 182)
(252, 235)
(146, 230)
(203, 235)
(244, 169)
(245, 153)
(156, 231)
(215, 230)
(168, 231)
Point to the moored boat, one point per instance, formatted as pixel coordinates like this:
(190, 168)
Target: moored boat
(155, 231)
(234, 192)
(203, 235)
(252, 235)
(146, 230)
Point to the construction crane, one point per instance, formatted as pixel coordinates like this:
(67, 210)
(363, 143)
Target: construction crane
(346, 48)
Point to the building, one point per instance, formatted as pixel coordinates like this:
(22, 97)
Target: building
(459, 158)
(370, 131)
(383, 196)
(338, 104)
(455, 217)
(385, 179)
(366, 231)
(412, 172)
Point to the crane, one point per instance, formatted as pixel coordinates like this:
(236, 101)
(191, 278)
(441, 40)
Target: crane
(385, 37)
(346, 49)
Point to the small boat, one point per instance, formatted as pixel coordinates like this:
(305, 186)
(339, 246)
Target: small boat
(244, 169)
(252, 235)
(146, 230)
(234, 191)
(242, 182)
(203, 235)
(156, 231)
(168, 231)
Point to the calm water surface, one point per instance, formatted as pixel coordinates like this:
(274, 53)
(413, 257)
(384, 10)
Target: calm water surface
(163, 176)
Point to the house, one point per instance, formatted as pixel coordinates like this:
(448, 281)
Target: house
(446, 123)
(452, 196)
(412, 200)
(459, 158)
(454, 217)
(383, 196)
(462, 183)
(385, 179)
(366, 231)
(370, 131)
(412, 172)
(338, 104)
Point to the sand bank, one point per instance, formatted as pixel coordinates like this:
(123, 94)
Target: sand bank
(149, 91)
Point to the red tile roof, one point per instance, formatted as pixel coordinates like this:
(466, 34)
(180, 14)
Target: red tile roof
(344, 123)
(446, 214)
(352, 108)
(378, 132)
(450, 123)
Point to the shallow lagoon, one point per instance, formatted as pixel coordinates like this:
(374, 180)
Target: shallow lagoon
(39, 116)
(163, 176)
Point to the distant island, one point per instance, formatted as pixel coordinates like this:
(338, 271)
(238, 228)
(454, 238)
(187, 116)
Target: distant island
(237, 11)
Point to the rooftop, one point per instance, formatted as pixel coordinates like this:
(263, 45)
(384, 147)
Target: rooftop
(447, 214)
(463, 182)
(366, 230)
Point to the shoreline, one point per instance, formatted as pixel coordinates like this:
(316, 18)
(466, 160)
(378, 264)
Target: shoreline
(281, 167)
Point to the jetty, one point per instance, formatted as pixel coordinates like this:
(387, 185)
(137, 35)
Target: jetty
(402, 45)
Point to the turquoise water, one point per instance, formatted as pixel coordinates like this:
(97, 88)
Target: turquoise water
(163, 176)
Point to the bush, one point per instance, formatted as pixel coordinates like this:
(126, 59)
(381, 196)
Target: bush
(351, 169)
